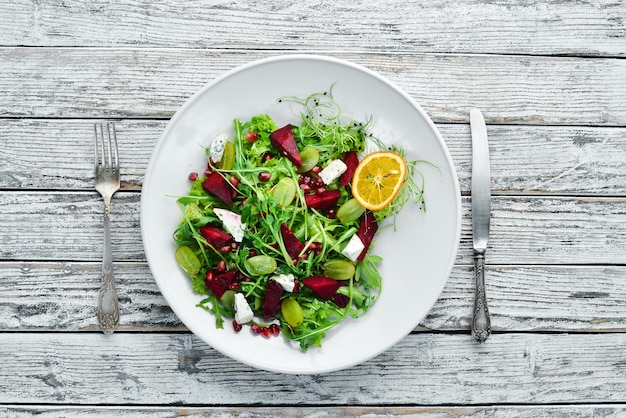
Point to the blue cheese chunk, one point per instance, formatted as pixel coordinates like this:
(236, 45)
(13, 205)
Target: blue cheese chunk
(333, 171)
(354, 248)
(232, 223)
(286, 281)
(216, 151)
(243, 313)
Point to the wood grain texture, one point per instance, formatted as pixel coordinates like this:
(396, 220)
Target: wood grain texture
(565, 160)
(476, 26)
(61, 296)
(66, 226)
(515, 411)
(422, 369)
(129, 83)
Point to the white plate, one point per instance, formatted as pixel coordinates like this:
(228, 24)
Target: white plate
(417, 257)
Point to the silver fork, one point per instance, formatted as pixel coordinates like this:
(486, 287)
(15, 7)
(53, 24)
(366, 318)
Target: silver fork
(107, 169)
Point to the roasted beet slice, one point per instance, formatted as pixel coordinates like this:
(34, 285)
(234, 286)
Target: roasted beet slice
(219, 283)
(351, 161)
(219, 187)
(271, 303)
(366, 232)
(283, 140)
(292, 244)
(340, 300)
(215, 236)
(322, 286)
(323, 201)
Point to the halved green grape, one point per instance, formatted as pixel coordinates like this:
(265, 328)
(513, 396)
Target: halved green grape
(350, 211)
(228, 159)
(261, 264)
(338, 269)
(292, 312)
(228, 299)
(285, 191)
(310, 157)
(187, 260)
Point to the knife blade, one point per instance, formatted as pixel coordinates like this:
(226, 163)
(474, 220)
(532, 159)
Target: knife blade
(481, 215)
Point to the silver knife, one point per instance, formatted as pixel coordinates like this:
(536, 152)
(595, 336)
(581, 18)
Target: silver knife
(481, 212)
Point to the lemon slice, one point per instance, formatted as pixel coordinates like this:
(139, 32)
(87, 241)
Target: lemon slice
(378, 179)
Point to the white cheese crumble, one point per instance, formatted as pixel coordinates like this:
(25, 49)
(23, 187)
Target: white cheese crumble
(243, 313)
(354, 248)
(333, 171)
(232, 222)
(286, 281)
(217, 147)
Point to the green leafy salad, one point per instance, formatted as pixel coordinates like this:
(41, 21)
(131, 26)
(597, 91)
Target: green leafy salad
(272, 234)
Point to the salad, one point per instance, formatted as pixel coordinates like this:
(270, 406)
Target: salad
(277, 232)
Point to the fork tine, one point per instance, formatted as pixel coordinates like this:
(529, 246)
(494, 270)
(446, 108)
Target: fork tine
(113, 146)
(100, 147)
(96, 145)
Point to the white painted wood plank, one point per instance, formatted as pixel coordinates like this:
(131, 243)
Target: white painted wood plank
(514, 411)
(63, 226)
(422, 369)
(86, 82)
(58, 296)
(477, 26)
(565, 160)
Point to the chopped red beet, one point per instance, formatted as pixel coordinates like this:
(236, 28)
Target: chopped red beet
(219, 187)
(323, 201)
(271, 303)
(340, 300)
(216, 237)
(292, 244)
(366, 232)
(219, 283)
(351, 161)
(284, 141)
(322, 286)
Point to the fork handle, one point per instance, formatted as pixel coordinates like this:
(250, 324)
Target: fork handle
(108, 306)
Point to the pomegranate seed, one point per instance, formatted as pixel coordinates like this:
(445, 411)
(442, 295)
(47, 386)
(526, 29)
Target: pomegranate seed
(307, 180)
(255, 328)
(208, 172)
(274, 329)
(320, 190)
(305, 188)
(303, 256)
(252, 252)
(331, 214)
(225, 249)
(234, 246)
(267, 156)
(316, 169)
(266, 332)
(193, 176)
(234, 181)
(318, 182)
(264, 176)
(237, 327)
(252, 136)
(209, 275)
(221, 266)
(233, 285)
(296, 286)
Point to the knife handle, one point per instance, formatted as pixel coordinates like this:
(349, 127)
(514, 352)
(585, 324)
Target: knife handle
(481, 324)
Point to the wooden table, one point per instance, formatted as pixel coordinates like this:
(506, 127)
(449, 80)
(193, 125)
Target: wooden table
(550, 78)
